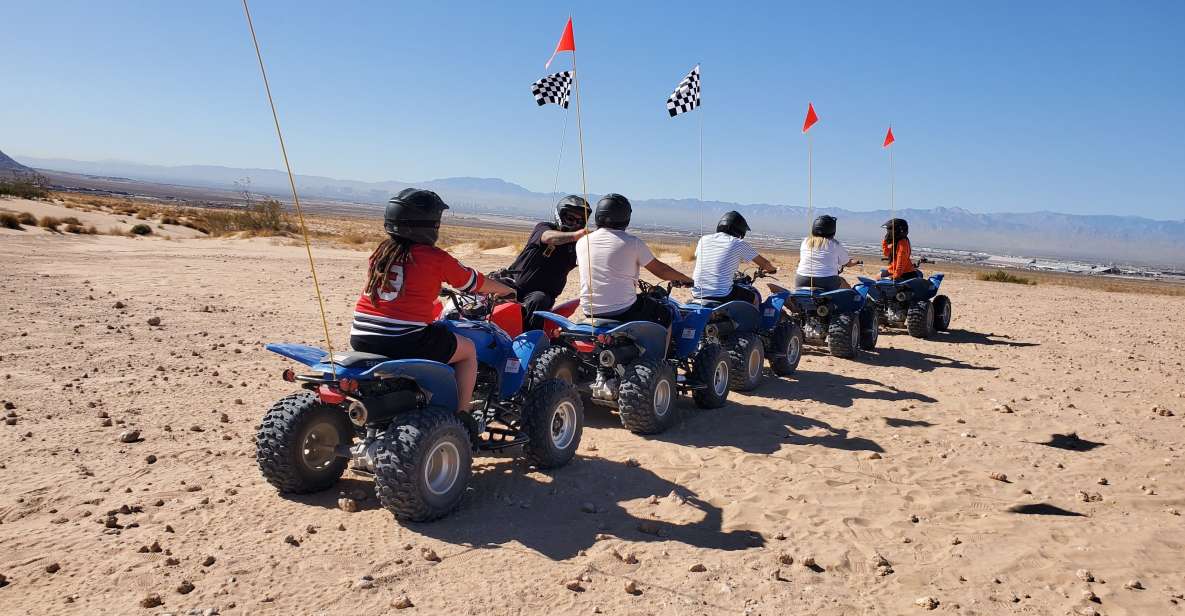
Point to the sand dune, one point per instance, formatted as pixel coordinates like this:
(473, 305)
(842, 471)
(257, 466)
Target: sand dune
(879, 471)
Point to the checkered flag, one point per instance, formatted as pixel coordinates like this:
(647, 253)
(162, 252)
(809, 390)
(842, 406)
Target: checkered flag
(553, 89)
(686, 95)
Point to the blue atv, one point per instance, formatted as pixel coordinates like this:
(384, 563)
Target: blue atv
(843, 320)
(634, 368)
(398, 420)
(778, 331)
(914, 304)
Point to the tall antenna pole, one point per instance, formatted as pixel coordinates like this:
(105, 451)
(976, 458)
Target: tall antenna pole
(701, 153)
(583, 176)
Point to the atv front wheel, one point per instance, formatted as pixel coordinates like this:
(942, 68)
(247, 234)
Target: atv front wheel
(747, 359)
(785, 347)
(942, 313)
(555, 362)
(423, 464)
(870, 324)
(920, 319)
(710, 366)
(297, 442)
(646, 397)
(553, 419)
(843, 336)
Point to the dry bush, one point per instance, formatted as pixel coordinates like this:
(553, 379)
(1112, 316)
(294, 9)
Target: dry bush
(492, 242)
(141, 229)
(90, 230)
(9, 221)
(115, 231)
(49, 222)
(168, 220)
(687, 253)
(72, 228)
(24, 189)
(71, 220)
(260, 219)
(1003, 276)
(26, 218)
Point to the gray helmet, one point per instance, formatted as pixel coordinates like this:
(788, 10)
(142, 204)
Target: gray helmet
(414, 215)
(614, 211)
(824, 226)
(572, 205)
(733, 224)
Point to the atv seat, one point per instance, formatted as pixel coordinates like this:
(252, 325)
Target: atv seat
(819, 289)
(355, 358)
(594, 322)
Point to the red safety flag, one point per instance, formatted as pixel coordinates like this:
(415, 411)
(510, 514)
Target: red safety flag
(811, 117)
(567, 43)
(889, 138)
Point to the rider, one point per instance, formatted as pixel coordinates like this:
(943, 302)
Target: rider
(609, 260)
(393, 316)
(717, 257)
(898, 251)
(540, 271)
(821, 257)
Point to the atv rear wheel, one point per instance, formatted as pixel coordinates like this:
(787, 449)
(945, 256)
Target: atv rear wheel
(785, 347)
(870, 326)
(297, 442)
(843, 336)
(711, 367)
(553, 419)
(920, 319)
(942, 313)
(646, 397)
(555, 362)
(423, 464)
(747, 359)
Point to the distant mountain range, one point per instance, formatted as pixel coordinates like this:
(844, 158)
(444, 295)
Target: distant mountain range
(1130, 239)
(9, 167)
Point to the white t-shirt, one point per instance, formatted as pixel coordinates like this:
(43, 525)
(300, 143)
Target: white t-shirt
(717, 257)
(616, 257)
(825, 261)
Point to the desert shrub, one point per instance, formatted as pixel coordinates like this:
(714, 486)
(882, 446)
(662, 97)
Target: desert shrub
(91, 230)
(687, 253)
(141, 229)
(1003, 276)
(492, 242)
(71, 220)
(9, 221)
(24, 189)
(49, 222)
(71, 228)
(114, 231)
(262, 218)
(168, 220)
(26, 218)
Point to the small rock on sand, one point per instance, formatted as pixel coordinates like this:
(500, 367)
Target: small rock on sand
(1133, 585)
(208, 561)
(154, 321)
(927, 603)
(290, 540)
(402, 602)
(697, 568)
(53, 568)
(631, 587)
(129, 436)
(152, 600)
(430, 555)
(185, 587)
(999, 477)
(1085, 575)
(573, 585)
(348, 505)
(786, 559)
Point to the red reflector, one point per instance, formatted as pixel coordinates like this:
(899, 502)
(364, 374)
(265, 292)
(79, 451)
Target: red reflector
(290, 375)
(328, 396)
(348, 385)
(584, 346)
(605, 339)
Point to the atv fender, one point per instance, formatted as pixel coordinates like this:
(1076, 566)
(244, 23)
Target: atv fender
(687, 329)
(527, 346)
(745, 315)
(936, 280)
(771, 310)
(437, 380)
(652, 337)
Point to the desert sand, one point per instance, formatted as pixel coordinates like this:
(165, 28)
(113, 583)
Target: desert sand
(920, 477)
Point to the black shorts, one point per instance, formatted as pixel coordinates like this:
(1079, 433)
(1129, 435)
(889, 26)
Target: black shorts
(434, 342)
(737, 294)
(645, 308)
(826, 283)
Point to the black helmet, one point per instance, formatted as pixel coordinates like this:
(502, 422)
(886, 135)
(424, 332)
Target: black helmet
(613, 211)
(572, 205)
(897, 227)
(414, 215)
(733, 224)
(824, 226)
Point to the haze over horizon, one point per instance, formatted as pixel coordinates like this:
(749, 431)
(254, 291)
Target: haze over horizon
(1075, 108)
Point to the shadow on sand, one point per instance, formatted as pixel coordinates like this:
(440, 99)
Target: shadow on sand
(1043, 509)
(834, 389)
(962, 336)
(1069, 442)
(916, 360)
(899, 422)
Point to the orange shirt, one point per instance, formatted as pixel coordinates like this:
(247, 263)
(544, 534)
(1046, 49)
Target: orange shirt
(902, 262)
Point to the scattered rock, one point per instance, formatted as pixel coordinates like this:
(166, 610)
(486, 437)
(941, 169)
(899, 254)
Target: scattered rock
(224, 418)
(881, 564)
(118, 306)
(151, 459)
(697, 568)
(574, 585)
(631, 587)
(927, 603)
(874, 456)
(429, 555)
(1085, 575)
(999, 477)
(785, 558)
(55, 567)
(1090, 497)
(402, 602)
(1133, 585)
(154, 321)
(290, 540)
(152, 600)
(809, 562)
(1102, 481)
(1088, 595)
(209, 560)
(366, 583)
(185, 587)
(129, 436)
(632, 463)
(588, 507)
(650, 527)
(630, 559)
(348, 505)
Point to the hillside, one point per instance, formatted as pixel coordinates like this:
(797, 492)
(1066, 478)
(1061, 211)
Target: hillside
(9, 167)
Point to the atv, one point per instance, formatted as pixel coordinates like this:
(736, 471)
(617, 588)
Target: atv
(399, 421)
(778, 331)
(914, 304)
(639, 367)
(843, 320)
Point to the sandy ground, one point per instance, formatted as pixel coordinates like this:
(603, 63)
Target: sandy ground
(103, 221)
(878, 470)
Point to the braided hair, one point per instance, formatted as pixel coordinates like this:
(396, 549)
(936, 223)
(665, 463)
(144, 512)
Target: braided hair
(392, 251)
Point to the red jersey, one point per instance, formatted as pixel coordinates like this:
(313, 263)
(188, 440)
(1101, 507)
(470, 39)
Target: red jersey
(405, 302)
(901, 262)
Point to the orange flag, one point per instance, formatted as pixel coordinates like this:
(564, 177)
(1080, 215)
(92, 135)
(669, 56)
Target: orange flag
(811, 117)
(888, 138)
(567, 43)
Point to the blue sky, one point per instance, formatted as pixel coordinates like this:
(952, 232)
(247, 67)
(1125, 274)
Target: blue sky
(1005, 106)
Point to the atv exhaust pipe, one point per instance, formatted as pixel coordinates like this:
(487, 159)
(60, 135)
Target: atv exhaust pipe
(617, 355)
(382, 409)
(720, 329)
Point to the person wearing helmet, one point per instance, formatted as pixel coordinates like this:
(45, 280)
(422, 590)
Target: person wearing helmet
(821, 258)
(897, 251)
(540, 272)
(717, 257)
(394, 313)
(610, 260)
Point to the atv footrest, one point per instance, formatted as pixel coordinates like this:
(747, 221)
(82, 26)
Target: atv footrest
(498, 438)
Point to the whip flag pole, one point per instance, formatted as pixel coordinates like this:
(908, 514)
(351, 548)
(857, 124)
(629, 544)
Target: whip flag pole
(686, 97)
(889, 139)
(811, 119)
(292, 183)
